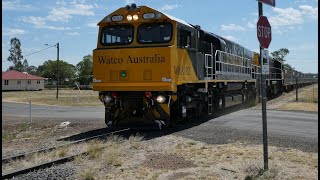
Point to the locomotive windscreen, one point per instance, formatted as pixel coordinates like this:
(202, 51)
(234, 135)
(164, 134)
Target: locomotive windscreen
(154, 33)
(116, 35)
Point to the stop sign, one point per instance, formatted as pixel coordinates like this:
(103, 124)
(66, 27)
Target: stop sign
(264, 32)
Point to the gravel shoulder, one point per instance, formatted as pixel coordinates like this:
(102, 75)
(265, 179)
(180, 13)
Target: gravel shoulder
(175, 157)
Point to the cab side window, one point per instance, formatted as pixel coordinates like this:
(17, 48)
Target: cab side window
(184, 38)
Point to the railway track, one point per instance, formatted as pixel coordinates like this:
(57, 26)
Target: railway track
(53, 162)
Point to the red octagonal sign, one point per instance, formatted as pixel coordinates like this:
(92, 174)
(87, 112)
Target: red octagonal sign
(264, 32)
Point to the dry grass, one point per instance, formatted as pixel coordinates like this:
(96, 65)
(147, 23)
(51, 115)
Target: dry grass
(24, 130)
(95, 149)
(61, 152)
(300, 106)
(176, 157)
(307, 100)
(135, 141)
(39, 158)
(88, 174)
(309, 95)
(48, 97)
(228, 161)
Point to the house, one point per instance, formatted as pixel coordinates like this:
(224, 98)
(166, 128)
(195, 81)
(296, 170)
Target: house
(15, 80)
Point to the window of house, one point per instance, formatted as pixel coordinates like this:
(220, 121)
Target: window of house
(29, 81)
(38, 81)
(19, 82)
(6, 82)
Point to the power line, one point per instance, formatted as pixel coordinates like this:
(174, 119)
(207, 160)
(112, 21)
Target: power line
(40, 50)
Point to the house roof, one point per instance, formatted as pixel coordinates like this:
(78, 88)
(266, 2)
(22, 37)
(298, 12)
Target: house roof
(11, 74)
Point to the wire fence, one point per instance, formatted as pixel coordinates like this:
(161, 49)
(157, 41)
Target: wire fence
(70, 104)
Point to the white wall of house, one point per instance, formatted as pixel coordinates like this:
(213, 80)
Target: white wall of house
(23, 84)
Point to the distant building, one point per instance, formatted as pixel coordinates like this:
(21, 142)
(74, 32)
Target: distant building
(15, 80)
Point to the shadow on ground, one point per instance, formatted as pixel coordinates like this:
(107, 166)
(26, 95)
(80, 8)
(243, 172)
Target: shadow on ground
(152, 132)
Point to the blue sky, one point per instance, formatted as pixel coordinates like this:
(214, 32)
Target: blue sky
(73, 24)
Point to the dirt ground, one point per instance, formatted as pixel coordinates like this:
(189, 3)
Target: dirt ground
(20, 136)
(165, 157)
(173, 157)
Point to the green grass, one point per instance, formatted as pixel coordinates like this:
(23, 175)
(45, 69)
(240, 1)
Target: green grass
(66, 97)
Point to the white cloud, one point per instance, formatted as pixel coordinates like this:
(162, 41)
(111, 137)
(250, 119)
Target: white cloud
(40, 23)
(93, 25)
(73, 33)
(286, 19)
(232, 27)
(37, 21)
(13, 32)
(56, 28)
(309, 11)
(169, 7)
(231, 38)
(129, 2)
(303, 47)
(65, 13)
(15, 5)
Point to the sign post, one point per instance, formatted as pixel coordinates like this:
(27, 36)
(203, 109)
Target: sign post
(269, 2)
(264, 37)
(265, 61)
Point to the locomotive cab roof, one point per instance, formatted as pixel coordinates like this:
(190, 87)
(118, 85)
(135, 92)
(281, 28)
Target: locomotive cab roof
(125, 15)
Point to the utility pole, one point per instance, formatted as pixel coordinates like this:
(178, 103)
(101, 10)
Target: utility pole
(264, 101)
(297, 88)
(57, 70)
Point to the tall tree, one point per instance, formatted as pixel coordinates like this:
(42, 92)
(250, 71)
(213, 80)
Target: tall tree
(15, 55)
(84, 70)
(25, 64)
(49, 70)
(280, 54)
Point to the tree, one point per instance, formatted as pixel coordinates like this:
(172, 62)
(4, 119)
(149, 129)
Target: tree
(17, 67)
(15, 55)
(49, 70)
(84, 70)
(32, 70)
(280, 54)
(25, 65)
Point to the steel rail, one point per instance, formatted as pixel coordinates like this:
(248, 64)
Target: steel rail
(41, 166)
(21, 156)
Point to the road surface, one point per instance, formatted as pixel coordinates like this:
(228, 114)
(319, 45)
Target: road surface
(285, 128)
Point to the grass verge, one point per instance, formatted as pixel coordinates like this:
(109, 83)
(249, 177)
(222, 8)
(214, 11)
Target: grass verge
(48, 97)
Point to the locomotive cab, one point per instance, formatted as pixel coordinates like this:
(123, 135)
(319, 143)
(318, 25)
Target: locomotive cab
(136, 66)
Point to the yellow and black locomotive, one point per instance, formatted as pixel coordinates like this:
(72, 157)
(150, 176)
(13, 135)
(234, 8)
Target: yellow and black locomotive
(154, 69)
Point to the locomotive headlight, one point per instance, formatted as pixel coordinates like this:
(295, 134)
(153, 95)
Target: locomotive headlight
(129, 17)
(135, 17)
(107, 99)
(161, 99)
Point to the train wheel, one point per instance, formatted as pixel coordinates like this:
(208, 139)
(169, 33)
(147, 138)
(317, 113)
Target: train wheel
(108, 118)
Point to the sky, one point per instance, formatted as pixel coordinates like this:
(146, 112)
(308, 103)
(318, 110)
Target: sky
(73, 24)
